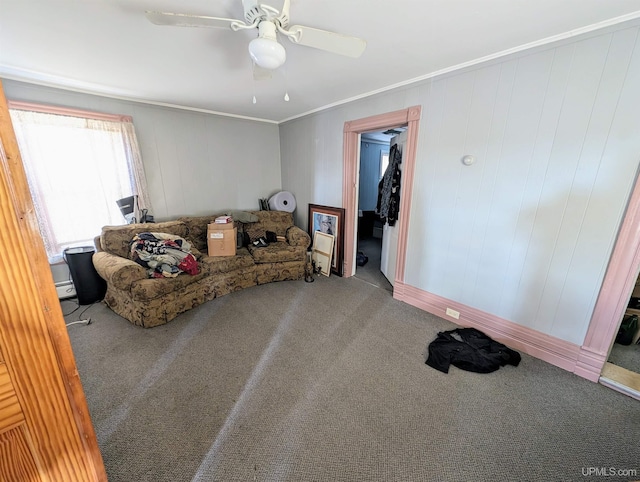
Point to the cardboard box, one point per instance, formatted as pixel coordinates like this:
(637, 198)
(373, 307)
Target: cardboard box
(221, 239)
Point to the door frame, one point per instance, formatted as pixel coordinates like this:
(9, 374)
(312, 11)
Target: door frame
(618, 283)
(351, 149)
(390, 232)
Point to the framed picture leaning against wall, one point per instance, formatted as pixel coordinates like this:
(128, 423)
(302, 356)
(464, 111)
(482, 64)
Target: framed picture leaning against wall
(329, 220)
(322, 251)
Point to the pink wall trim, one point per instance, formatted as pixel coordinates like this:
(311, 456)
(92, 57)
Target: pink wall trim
(589, 364)
(349, 201)
(545, 347)
(52, 109)
(617, 286)
(406, 191)
(587, 360)
(351, 149)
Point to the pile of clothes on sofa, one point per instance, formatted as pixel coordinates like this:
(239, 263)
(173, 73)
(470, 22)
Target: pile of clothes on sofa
(164, 255)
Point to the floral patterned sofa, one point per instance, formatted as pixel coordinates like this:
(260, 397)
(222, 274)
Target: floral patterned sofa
(151, 302)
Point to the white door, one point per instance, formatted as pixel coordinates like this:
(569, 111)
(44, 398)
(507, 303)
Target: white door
(389, 253)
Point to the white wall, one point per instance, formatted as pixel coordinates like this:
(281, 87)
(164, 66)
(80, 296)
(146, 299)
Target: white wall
(195, 163)
(527, 231)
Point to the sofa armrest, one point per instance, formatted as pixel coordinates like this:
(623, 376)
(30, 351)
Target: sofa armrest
(98, 244)
(297, 237)
(118, 271)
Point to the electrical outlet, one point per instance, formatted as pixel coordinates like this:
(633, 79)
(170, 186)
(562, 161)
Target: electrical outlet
(453, 313)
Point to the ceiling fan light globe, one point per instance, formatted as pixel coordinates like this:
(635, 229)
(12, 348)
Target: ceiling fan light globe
(268, 54)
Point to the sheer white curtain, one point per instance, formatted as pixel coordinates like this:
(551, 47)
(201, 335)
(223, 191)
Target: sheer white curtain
(77, 168)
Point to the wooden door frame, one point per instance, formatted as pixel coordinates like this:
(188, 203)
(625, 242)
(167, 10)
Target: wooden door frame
(351, 149)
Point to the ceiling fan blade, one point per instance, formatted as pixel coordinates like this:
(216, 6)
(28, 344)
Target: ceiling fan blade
(185, 20)
(260, 73)
(325, 40)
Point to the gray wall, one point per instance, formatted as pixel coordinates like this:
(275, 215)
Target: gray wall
(195, 163)
(527, 231)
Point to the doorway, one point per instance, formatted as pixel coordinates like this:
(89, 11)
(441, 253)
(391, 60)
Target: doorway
(351, 155)
(374, 161)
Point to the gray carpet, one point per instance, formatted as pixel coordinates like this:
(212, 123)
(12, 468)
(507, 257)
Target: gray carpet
(625, 356)
(370, 272)
(326, 381)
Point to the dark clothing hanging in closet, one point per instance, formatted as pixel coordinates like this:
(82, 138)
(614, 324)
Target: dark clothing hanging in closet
(469, 349)
(388, 205)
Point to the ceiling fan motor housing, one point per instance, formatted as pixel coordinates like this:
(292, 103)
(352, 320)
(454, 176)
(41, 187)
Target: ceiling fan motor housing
(255, 11)
(251, 10)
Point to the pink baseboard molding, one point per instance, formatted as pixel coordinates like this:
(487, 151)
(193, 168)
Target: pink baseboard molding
(560, 353)
(589, 364)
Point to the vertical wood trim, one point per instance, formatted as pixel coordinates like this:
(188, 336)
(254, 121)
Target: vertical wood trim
(33, 335)
(618, 283)
(406, 189)
(349, 201)
(352, 131)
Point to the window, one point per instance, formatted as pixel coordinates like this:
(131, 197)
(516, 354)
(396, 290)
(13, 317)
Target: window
(78, 164)
(384, 162)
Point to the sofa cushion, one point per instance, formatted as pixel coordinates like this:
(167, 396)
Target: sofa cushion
(197, 229)
(226, 264)
(277, 252)
(116, 239)
(275, 221)
(152, 288)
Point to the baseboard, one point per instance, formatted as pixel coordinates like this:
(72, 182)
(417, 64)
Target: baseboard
(589, 364)
(560, 353)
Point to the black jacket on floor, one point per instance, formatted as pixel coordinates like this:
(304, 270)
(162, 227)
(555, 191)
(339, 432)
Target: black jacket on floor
(469, 349)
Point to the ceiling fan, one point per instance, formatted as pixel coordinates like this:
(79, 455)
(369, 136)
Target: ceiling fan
(265, 50)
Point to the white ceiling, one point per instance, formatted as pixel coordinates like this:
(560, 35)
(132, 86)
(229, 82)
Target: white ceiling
(108, 47)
